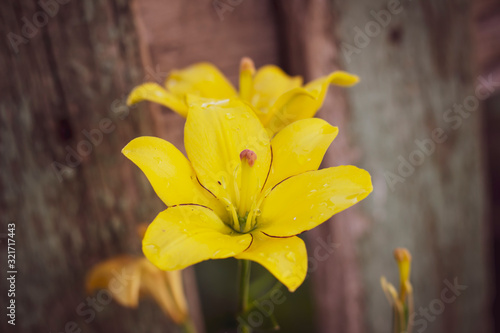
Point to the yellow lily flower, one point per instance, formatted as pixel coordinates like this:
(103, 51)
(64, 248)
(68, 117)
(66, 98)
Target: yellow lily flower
(278, 99)
(129, 278)
(242, 194)
(145, 280)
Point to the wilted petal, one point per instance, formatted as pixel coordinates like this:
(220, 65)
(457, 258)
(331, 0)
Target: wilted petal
(104, 276)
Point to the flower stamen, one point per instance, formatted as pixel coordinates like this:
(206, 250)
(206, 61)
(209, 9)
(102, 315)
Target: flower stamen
(247, 71)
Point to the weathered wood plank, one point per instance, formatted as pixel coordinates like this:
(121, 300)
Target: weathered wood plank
(74, 198)
(413, 71)
(72, 74)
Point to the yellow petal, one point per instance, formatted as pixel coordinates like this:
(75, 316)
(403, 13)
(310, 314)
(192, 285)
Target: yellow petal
(184, 235)
(129, 278)
(109, 275)
(304, 102)
(285, 258)
(288, 108)
(319, 87)
(176, 288)
(338, 78)
(169, 172)
(270, 82)
(304, 201)
(215, 135)
(298, 148)
(389, 291)
(155, 93)
(202, 79)
(164, 288)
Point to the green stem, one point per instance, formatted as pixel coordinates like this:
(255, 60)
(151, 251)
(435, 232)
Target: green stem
(243, 293)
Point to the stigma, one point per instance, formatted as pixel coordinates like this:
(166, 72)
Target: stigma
(248, 156)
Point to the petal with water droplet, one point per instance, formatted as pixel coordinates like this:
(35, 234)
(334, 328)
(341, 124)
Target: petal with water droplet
(214, 139)
(195, 240)
(285, 258)
(298, 148)
(286, 212)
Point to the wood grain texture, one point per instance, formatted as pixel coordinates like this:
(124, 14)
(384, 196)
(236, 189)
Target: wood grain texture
(74, 72)
(486, 27)
(337, 281)
(70, 79)
(413, 71)
(487, 39)
(439, 211)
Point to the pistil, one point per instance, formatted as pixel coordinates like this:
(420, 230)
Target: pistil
(247, 158)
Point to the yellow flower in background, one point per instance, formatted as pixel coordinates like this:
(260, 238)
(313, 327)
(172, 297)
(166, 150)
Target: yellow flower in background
(401, 303)
(129, 278)
(242, 194)
(278, 99)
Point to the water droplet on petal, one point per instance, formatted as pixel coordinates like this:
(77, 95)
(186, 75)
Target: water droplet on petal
(352, 197)
(334, 199)
(291, 256)
(229, 116)
(153, 248)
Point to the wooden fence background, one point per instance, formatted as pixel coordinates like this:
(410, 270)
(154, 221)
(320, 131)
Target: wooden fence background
(69, 75)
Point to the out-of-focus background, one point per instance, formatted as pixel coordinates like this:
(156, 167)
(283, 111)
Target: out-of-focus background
(424, 121)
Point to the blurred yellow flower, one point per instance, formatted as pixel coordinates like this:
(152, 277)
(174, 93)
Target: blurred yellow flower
(401, 303)
(242, 194)
(278, 99)
(142, 279)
